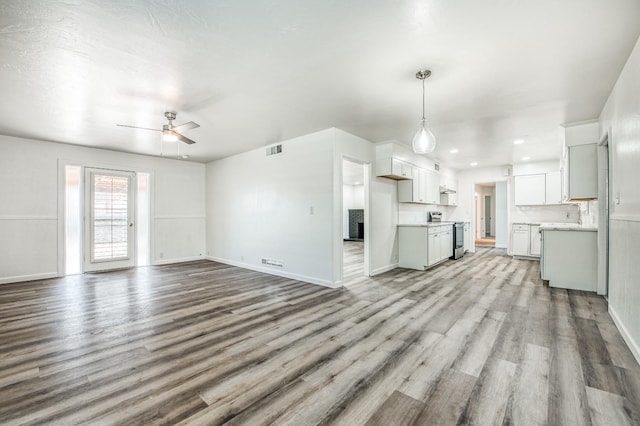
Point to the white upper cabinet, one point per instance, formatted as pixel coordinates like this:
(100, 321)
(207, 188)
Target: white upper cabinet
(433, 187)
(582, 165)
(423, 189)
(553, 188)
(530, 190)
(581, 161)
(414, 191)
(538, 189)
(394, 168)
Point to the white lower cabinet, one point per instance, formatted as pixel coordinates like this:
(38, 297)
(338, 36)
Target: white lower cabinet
(421, 247)
(467, 235)
(534, 240)
(525, 239)
(570, 259)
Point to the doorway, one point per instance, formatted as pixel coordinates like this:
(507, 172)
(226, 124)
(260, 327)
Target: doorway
(107, 219)
(109, 241)
(354, 217)
(485, 214)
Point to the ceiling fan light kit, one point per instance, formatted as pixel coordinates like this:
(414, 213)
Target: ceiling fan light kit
(423, 142)
(171, 133)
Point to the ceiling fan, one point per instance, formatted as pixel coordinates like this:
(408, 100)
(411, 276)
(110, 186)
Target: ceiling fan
(171, 133)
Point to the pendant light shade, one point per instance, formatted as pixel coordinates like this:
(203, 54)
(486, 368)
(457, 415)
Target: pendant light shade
(423, 142)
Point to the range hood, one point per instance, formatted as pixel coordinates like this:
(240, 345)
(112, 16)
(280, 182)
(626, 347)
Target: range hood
(445, 190)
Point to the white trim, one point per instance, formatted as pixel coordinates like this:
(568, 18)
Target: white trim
(304, 278)
(30, 217)
(159, 262)
(384, 269)
(625, 217)
(501, 246)
(633, 345)
(31, 277)
(169, 217)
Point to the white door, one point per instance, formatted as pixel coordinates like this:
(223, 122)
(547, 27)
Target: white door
(109, 241)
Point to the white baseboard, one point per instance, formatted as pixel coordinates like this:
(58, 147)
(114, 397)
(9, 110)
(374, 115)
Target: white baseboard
(32, 277)
(176, 260)
(384, 269)
(504, 246)
(271, 271)
(633, 345)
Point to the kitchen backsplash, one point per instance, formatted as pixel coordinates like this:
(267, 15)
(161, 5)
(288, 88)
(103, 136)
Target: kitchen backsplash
(417, 213)
(587, 211)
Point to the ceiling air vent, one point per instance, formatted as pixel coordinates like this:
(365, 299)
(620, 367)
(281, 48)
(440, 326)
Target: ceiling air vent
(274, 149)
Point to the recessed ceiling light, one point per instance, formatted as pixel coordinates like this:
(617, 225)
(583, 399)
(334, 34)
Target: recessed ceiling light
(473, 164)
(518, 141)
(454, 151)
(526, 158)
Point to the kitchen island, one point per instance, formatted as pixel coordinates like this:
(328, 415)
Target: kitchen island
(569, 255)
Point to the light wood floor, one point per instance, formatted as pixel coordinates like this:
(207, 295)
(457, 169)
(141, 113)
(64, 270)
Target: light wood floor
(479, 341)
(486, 242)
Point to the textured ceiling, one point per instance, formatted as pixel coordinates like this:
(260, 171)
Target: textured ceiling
(253, 73)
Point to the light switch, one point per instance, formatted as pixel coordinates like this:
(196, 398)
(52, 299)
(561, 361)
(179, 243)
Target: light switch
(311, 210)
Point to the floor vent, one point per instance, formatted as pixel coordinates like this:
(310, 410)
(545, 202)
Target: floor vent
(271, 262)
(274, 149)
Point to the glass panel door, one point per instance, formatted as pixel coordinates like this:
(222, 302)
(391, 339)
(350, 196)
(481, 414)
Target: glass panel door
(109, 230)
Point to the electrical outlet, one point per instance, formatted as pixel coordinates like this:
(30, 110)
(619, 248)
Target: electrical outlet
(242, 258)
(311, 210)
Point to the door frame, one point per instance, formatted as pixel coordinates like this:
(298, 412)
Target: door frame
(62, 163)
(367, 219)
(88, 234)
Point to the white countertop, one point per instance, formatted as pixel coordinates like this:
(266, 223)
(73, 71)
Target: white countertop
(567, 227)
(427, 224)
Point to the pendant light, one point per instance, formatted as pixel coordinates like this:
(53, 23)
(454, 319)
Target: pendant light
(423, 142)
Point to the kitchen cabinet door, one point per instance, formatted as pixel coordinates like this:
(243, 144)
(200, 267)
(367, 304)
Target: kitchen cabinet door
(433, 249)
(467, 235)
(394, 168)
(534, 240)
(413, 191)
(520, 240)
(583, 172)
(530, 190)
(432, 187)
(553, 188)
(446, 244)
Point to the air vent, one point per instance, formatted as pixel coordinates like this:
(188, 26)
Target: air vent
(274, 149)
(271, 262)
(436, 167)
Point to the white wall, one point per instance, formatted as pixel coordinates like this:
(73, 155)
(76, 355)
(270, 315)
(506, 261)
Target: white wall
(277, 207)
(29, 218)
(352, 198)
(501, 215)
(381, 236)
(621, 119)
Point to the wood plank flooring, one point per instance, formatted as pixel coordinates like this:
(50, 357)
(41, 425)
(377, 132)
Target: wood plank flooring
(480, 340)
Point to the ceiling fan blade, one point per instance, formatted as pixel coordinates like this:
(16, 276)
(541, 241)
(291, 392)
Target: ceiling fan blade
(186, 126)
(183, 138)
(136, 127)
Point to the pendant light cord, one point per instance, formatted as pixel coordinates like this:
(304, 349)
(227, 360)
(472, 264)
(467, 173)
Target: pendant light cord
(423, 118)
